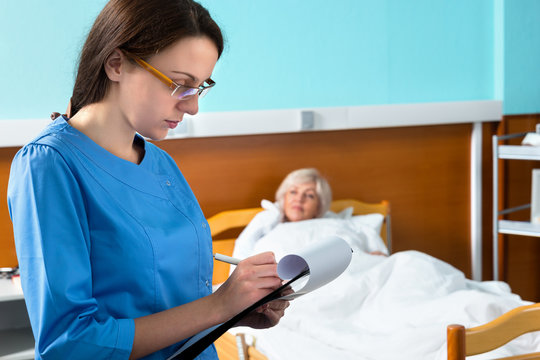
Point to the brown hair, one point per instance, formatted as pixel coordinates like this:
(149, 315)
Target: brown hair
(142, 27)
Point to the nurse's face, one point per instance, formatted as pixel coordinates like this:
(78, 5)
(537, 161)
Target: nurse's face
(146, 102)
(301, 202)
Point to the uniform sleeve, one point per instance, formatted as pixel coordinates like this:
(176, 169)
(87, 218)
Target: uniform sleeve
(53, 248)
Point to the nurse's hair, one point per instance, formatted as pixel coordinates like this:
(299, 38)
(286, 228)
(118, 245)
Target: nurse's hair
(141, 27)
(302, 176)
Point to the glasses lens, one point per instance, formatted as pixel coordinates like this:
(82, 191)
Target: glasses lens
(181, 93)
(184, 93)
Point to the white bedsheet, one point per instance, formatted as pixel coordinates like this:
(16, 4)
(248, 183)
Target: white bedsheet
(394, 307)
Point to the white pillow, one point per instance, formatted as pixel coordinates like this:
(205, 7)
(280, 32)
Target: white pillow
(374, 220)
(343, 214)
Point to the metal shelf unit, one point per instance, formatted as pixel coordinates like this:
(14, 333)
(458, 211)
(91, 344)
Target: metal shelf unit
(523, 228)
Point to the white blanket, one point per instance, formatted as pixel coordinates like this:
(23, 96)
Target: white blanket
(394, 307)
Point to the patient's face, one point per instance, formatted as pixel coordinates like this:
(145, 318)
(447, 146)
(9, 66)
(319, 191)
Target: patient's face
(301, 202)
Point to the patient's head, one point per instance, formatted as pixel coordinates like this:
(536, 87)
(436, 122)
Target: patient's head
(304, 194)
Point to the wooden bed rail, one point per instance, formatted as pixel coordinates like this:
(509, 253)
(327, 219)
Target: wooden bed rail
(463, 342)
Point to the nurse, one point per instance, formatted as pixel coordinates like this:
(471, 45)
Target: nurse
(114, 252)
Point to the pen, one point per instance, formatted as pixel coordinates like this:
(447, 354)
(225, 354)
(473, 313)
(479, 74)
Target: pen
(227, 259)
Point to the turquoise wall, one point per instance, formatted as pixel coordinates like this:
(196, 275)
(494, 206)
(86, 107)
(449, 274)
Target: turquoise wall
(310, 53)
(304, 53)
(522, 57)
(39, 44)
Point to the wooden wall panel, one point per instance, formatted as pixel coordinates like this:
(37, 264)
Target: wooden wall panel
(7, 249)
(423, 171)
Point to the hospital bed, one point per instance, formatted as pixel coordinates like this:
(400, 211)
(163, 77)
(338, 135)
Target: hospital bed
(381, 308)
(228, 223)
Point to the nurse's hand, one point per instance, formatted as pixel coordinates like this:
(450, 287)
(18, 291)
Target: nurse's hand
(253, 278)
(265, 316)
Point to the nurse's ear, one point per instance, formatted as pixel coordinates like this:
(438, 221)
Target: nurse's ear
(115, 64)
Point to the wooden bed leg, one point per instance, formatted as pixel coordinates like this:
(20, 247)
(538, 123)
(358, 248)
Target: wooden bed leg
(455, 342)
(242, 347)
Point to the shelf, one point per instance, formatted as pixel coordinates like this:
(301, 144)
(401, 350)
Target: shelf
(519, 228)
(10, 291)
(523, 228)
(519, 152)
(16, 344)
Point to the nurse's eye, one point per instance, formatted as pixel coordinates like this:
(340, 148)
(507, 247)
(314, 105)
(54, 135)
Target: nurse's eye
(183, 83)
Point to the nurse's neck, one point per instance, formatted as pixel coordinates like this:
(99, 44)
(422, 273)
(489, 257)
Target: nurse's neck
(107, 128)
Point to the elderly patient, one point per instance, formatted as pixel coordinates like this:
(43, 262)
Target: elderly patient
(304, 194)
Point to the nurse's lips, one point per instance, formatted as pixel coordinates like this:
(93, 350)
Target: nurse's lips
(172, 124)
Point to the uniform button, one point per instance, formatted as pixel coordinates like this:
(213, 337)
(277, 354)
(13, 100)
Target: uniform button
(204, 225)
(168, 183)
(207, 283)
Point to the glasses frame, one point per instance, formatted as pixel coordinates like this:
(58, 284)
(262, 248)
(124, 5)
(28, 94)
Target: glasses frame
(180, 92)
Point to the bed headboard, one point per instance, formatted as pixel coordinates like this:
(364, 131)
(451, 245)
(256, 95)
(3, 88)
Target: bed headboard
(226, 225)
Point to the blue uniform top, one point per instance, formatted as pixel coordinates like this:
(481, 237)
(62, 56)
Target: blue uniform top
(101, 241)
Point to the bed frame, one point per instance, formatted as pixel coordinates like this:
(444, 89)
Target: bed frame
(226, 226)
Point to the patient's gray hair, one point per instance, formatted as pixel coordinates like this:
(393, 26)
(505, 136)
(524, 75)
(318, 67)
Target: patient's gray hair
(302, 176)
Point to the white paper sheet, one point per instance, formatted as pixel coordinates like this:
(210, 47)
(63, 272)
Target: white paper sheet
(325, 260)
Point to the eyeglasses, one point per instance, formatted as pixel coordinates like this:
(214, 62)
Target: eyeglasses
(179, 92)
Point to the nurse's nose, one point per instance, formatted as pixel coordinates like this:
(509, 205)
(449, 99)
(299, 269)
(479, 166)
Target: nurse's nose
(189, 105)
